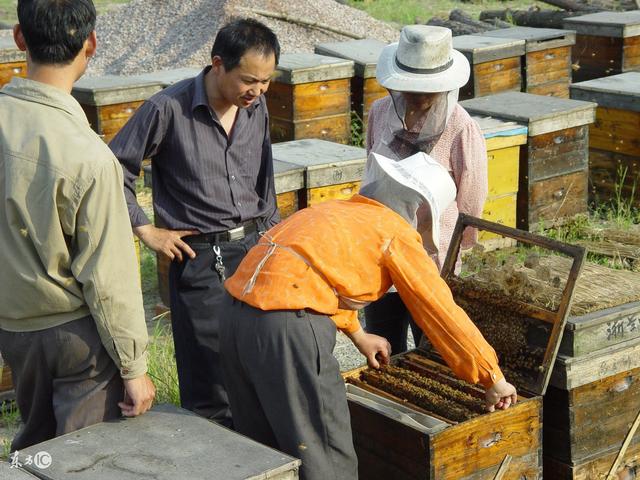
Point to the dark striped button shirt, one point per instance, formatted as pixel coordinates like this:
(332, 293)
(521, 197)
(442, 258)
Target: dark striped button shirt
(202, 179)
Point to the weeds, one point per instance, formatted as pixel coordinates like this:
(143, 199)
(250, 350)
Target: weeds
(9, 421)
(162, 363)
(357, 130)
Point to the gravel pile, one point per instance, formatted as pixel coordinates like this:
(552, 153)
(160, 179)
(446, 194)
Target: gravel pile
(148, 35)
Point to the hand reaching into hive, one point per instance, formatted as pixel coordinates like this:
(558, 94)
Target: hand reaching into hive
(501, 395)
(376, 349)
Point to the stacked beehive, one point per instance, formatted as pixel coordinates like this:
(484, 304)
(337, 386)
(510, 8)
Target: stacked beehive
(13, 62)
(614, 143)
(553, 174)
(495, 64)
(547, 61)
(416, 420)
(607, 43)
(591, 402)
(310, 97)
(109, 101)
(365, 89)
(331, 171)
(504, 140)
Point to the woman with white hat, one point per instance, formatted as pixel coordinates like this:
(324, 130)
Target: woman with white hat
(306, 278)
(423, 74)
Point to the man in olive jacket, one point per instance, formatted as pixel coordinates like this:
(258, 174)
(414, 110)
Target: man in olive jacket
(72, 325)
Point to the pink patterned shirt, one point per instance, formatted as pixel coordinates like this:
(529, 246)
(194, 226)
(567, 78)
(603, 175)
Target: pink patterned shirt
(461, 149)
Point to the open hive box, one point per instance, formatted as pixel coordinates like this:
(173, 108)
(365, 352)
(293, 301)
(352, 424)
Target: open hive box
(415, 419)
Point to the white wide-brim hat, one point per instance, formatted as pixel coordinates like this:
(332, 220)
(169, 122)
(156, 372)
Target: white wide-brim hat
(423, 61)
(429, 179)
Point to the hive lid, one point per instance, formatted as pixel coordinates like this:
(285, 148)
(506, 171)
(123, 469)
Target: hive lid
(295, 68)
(9, 52)
(539, 113)
(364, 53)
(113, 89)
(153, 446)
(606, 24)
(617, 91)
(480, 48)
(512, 133)
(288, 176)
(169, 77)
(325, 163)
(540, 327)
(536, 38)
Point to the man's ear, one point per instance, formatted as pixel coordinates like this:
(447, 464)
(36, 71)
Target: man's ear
(91, 44)
(216, 65)
(18, 37)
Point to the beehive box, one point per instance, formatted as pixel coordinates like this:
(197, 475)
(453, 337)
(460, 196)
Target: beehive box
(365, 89)
(332, 171)
(504, 140)
(614, 143)
(554, 165)
(424, 437)
(13, 62)
(547, 61)
(289, 180)
(6, 380)
(592, 399)
(607, 43)
(110, 100)
(310, 98)
(495, 64)
(166, 443)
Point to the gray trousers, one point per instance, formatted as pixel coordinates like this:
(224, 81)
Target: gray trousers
(285, 387)
(64, 380)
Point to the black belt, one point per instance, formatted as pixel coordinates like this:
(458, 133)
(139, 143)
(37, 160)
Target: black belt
(231, 235)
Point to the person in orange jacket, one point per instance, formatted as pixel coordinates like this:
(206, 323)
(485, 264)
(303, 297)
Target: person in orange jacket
(307, 276)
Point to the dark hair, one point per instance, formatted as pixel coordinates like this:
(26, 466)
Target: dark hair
(235, 38)
(55, 30)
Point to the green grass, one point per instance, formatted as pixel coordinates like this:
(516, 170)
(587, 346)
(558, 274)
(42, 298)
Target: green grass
(406, 12)
(162, 364)
(9, 422)
(8, 8)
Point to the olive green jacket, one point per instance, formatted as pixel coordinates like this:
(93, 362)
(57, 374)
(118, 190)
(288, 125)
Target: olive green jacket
(66, 245)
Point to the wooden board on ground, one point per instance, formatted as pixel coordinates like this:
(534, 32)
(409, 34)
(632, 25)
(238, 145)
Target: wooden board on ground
(13, 62)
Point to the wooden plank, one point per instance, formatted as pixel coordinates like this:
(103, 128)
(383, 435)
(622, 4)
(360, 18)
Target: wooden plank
(335, 128)
(287, 203)
(570, 373)
(372, 91)
(552, 199)
(501, 210)
(342, 191)
(557, 153)
(616, 130)
(503, 171)
(558, 89)
(496, 76)
(545, 61)
(594, 331)
(607, 170)
(631, 54)
(592, 419)
(12, 69)
(623, 449)
(482, 442)
(111, 118)
(309, 100)
(503, 468)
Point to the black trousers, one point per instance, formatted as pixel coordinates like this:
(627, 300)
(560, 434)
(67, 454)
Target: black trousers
(64, 380)
(285, 387)
(198, 302)
(390, 318)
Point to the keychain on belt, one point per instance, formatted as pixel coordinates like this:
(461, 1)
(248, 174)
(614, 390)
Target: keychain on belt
(219, 266)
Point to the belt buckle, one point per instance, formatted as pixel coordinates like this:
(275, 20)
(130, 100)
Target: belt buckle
(236, 233)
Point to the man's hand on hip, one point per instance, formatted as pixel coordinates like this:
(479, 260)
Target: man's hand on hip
(166, 242)
(138, 396)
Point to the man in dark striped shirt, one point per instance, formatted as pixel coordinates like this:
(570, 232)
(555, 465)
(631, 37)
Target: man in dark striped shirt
(213, 191)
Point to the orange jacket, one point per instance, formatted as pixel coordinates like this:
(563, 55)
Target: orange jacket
(356, 249)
